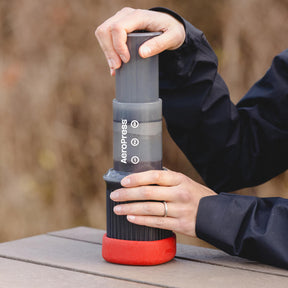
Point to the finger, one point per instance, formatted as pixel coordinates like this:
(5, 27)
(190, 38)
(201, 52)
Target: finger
(153, 177)
(129, 22)
(157, 193)
(156, 45)
(147, 209)
(140, 208)
(166, 223)
(104, 36)
(119, 39)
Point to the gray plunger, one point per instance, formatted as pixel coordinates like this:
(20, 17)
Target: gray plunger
(137, 147)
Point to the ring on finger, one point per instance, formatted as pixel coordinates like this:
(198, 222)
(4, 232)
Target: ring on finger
(165, 209)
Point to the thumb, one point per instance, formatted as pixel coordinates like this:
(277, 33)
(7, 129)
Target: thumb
(169, 40)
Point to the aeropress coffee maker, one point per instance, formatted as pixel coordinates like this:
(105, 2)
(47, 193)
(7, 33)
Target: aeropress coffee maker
(137, 147)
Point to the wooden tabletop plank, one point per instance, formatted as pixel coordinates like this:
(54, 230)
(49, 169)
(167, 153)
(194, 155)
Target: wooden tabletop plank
(189, 252)
(217, 257)
(85, 257)
(16, 274)
(81, 233)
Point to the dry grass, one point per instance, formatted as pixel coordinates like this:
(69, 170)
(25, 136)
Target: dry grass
(56, 93)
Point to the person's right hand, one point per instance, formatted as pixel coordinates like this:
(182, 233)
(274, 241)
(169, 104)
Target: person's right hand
(112, 34)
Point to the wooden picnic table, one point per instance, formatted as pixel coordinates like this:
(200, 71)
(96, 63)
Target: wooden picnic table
(72, 258)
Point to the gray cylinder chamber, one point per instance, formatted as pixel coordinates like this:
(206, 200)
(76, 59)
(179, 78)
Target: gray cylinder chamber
(137, 81)
(137, 111)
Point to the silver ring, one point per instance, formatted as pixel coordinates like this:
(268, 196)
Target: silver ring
(165, 209)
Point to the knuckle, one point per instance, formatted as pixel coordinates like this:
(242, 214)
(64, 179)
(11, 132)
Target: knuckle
(159, 222)
(146, 192)
(100, 31)
(157, 176)
(184, 195)
(147, 209)
(138, 11)
(119, 47)
(127, 9)
(115, 27)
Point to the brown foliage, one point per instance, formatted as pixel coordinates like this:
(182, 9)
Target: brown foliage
(56, 94)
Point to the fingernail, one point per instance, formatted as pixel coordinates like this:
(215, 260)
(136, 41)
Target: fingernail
(130, 217)
(111, 72)
(123, 58)
(114, 195)
(145, 51)
(117, 209)
(125, 181)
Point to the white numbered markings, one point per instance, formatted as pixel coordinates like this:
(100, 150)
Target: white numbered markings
(134, 124)
(135, 159)
(135, 142)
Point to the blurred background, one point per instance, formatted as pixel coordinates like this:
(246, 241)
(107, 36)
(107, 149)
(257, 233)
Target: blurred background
(56, 94)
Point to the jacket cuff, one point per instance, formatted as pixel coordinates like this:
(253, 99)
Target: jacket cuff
(220, 218)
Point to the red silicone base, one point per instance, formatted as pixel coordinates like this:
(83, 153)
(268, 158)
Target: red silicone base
(138, 252)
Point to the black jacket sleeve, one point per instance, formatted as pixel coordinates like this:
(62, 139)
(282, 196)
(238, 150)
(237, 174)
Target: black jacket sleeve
(246, 226)
(231, 146)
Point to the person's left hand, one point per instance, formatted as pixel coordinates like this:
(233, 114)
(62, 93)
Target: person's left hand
(181, 194)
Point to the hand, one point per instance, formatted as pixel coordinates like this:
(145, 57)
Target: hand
(180, 192)
(112, 34)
